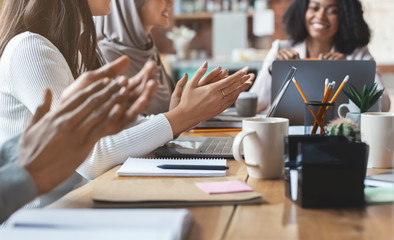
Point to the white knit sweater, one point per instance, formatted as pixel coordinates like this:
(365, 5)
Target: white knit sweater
(30, 63)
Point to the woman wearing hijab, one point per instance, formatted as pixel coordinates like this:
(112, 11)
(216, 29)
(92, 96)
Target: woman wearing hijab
(319, 29)
(43, 47)
(127, 31)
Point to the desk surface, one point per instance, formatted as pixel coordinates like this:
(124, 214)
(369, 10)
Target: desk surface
(277, 218)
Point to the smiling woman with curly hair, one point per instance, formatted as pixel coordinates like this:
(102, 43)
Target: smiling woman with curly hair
(323, 30)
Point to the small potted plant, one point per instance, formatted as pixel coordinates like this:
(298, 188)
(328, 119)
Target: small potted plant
(366, 98)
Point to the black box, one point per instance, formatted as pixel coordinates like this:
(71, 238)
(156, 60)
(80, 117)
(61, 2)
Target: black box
(325, 171)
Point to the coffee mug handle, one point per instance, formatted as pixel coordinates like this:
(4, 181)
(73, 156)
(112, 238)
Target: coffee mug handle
(237, 145)
(340, 108)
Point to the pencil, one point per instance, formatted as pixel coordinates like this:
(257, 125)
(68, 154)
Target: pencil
(206, 130)
(339, 89)
(305, 99)
(319, 121)
(300, 90)
(325, 86)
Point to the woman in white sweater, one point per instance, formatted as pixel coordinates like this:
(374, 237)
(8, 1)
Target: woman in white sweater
(49, 43)
(318, 29)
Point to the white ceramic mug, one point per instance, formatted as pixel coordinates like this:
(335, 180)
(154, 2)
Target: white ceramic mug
(263, 144)
(352, 107)
(377, 130)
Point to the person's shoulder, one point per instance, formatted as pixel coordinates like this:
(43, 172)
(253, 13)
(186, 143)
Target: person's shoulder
(29, 39)
(361, 53)
(29, 44)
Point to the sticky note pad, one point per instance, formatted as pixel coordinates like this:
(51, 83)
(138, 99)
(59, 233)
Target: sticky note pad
(223, 187)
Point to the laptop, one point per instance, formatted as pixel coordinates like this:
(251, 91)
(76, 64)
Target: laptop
(311, 76)
(213, 147)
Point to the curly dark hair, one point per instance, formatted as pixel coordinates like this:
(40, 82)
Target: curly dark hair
(353, 31)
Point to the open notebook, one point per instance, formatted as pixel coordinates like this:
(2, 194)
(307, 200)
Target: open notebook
(82, 224)
(150, 167)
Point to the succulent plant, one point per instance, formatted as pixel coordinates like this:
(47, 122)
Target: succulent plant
(366, 98)
(344, 127)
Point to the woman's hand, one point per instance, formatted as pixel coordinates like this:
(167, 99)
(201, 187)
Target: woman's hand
(215, 75)
(56, 142)
(204, 98)
(287, 54)
(332, 56)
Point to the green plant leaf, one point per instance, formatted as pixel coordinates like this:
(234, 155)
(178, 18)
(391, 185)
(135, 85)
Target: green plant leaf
(364, 92)
(356, 96)
(375, 98)
(373, 89)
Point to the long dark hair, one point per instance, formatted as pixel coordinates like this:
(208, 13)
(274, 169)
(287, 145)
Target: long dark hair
(353, 31)
(60, 21)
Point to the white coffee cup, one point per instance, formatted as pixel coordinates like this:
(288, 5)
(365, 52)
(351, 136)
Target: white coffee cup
(377, 130)
(352, 107)
(263, 144)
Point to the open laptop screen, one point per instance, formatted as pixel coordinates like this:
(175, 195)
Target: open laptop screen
(311, 76)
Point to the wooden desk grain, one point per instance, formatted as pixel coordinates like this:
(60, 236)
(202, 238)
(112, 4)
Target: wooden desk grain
(209, 222)
(277, 218)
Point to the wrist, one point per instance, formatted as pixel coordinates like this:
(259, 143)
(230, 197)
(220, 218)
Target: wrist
(181, 120)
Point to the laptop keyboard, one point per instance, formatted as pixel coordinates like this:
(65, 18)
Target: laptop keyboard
(217, 145)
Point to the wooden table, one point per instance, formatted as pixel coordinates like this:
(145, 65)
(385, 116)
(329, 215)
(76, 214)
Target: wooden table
(276, 218)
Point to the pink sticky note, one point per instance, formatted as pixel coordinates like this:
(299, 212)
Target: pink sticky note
(223, 187)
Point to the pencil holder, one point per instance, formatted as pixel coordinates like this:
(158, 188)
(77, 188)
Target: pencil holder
(317, 115)
(325, 171)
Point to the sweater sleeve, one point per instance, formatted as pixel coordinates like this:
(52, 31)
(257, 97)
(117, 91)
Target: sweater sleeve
(135, 141)
(16, 185)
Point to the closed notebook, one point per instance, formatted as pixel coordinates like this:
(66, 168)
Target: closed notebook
(168, 224)
(149, 167)
(164, 192)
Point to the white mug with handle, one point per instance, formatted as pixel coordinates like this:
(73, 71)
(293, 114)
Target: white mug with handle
(264, 146)
(352, 107)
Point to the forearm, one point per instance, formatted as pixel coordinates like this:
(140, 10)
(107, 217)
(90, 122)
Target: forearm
(136, 141)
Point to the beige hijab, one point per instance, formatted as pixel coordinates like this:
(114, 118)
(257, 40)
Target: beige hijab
(121, 33)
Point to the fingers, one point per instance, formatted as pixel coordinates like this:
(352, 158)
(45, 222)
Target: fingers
(287, 54)
(89, 101)
(229, 80)
(145, 73)
(223, 74)
(231, 97)
(198, 75)
(112, 69)
(332, 56)
(95, 120)
(43, 108)
(142, 102)
(210, 77)
(181, 84)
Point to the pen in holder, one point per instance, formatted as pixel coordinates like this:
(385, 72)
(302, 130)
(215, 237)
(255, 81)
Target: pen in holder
(317, 115)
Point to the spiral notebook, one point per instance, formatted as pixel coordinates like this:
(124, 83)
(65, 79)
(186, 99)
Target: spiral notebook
(149, 167)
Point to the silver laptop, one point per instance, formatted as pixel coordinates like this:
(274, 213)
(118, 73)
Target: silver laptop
(213, 147)
(311, 76)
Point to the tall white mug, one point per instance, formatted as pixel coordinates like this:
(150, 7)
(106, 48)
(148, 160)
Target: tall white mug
(377, 130)
(263, 144)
